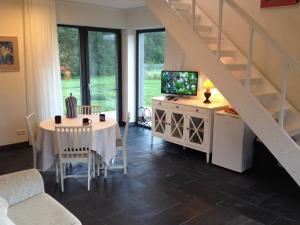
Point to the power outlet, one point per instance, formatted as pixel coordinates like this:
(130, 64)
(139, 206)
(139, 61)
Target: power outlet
(21, 132)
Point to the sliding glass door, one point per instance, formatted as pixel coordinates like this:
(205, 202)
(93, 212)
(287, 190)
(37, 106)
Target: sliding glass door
(103, 70)
(150, 46)
(70, 66)
(94, 71)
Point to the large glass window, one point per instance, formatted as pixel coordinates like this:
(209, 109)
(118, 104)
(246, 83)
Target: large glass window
(90, 66)
(69, 56)
(150, 64)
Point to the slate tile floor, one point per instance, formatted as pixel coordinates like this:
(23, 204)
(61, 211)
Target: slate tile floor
(167, 185)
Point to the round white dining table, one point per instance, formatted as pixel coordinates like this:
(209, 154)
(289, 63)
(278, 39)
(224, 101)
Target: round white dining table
(104, 134)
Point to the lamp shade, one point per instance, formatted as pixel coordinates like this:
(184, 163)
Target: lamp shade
(208, 84)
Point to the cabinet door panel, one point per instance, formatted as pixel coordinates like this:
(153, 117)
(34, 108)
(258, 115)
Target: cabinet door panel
(196, 130)
(159, 121)
(177, 122)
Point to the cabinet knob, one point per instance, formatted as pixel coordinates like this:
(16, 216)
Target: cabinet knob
(159, 103)
(197, 110)
(177, 106)
(187, 128)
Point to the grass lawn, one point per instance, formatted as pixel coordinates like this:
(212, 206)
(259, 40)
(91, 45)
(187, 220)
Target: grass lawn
(151, 89)
(103, 91)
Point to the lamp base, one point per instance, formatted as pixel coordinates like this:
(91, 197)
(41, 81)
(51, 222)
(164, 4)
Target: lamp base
(207, 94)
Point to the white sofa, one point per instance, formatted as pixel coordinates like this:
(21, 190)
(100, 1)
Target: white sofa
(23, 201)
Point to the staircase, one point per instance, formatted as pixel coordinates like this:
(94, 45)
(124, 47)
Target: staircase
(274, 120)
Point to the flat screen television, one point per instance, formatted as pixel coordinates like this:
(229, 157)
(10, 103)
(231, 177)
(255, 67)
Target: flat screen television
(179, 82)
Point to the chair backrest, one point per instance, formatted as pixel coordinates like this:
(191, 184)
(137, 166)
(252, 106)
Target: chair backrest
(126, 129)
(32, 128)
(88, 109)
(73, 140)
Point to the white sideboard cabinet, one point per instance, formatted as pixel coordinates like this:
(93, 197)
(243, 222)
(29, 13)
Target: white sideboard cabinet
(187, 122)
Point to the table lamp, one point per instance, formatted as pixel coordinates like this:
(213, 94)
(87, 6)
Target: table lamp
(207, 85)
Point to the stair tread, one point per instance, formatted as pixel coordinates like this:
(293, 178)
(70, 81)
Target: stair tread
(292, 128)
(274, 110)
(263, 92)
(203, 28)
(241, 75)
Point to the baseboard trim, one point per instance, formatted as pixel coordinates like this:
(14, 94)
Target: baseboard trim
(14, 146)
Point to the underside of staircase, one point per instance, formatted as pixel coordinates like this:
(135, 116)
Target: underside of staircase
(259, 107)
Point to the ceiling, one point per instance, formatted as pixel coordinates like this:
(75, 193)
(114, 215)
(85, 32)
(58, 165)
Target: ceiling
(121, 4)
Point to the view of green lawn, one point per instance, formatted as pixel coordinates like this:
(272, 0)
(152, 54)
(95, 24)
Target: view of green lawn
(103, 93)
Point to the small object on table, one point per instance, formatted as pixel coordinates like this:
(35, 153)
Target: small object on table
(86, 121)
(57, 119)
(208, 85)
(231, 110)
(71, 105)
(102, 117)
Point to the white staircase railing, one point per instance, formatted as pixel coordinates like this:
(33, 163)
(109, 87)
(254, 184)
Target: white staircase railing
(258, 118)
(254, 27)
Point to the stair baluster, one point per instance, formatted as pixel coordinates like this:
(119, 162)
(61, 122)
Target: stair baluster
(249, 65)
(283, 93)
(220, 24)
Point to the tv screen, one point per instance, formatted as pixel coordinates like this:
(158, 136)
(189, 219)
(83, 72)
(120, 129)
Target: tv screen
(179, 82)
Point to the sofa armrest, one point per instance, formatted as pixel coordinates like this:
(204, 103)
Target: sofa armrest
(19, 186)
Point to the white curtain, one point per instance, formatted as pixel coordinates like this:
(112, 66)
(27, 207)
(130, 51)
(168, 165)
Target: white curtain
(43, 80)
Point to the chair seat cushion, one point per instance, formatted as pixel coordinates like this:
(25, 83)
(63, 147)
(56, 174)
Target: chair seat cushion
(41, 209)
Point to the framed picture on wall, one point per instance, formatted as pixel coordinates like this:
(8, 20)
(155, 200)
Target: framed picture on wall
(275, 3)
(9, 56)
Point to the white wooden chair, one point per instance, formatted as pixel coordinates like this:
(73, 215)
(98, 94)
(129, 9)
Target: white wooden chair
(89, 109)
(121, 145)
(32, 128)
(74, 145)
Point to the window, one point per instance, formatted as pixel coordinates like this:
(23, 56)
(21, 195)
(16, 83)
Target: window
(91, 66)
(150, 55)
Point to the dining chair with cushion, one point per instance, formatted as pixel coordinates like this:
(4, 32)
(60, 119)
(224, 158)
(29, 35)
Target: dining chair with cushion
(74, 145)
(88, 109)
(32, 128)
(121, 145)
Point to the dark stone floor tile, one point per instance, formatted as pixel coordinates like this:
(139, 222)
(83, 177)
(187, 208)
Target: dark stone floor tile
(189, 200)
(182, 178)
(86, 218)
(154, 198)
(122, 219)
(221, 216)
(284, 221)
(145, 210)
(245, 194)
(204, 193)
(172, 216)
(155, 183)
(287, 205)
(250, 211)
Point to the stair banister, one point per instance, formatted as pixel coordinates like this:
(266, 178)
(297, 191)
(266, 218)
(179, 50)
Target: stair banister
(283, 93)
(194, 14)
(220, 24)
(249, 64)
(259, 29)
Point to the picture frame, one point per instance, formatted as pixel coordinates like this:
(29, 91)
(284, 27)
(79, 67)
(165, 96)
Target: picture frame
(276, 3)
(9, 54)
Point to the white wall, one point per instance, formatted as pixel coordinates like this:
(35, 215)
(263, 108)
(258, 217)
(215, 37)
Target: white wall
(128, 74)
(71, 13)
(12, 89)
(142, 18)
(282, 23)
